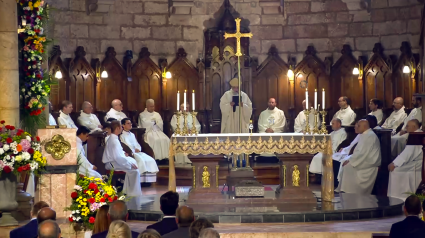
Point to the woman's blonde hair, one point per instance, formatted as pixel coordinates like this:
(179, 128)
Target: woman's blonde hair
(119, 229)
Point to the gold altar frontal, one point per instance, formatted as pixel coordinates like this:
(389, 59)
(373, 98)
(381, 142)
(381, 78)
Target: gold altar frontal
(245, 143)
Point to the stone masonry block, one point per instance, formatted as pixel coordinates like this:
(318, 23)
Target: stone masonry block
(77, 5)
(156, 47)
(324, 45)
(248, 8)
(305, 31)
(390, 27)
(297, 7)
(120, 45)
(394, 41)
(191, 48)
(213, 7)
(282, 45)
(76, 17)
(411, 12)
(344, 17)
(361, 29)
(379, 3)
(79, 31)
(366, 43)
(61, 31)
(183, 20)
(400, 3)
(273, 20)
(192, 33)
(315, 18)
(119, 19)
(329, 6)
(128, 7)
(150, 19)
(104, 32)
(59, 4)
(360, 16)
(414, 26)
(167, 32)
(253, 19)
(267, 32)
(337, 29)
(200, 8)
(377, 15)
(254, 47)
(90, 46)
(135, 32)
(67, 45)
(154, 7)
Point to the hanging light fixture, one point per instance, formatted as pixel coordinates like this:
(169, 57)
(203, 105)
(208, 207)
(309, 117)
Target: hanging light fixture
(406, 69)
(104, 74)
(168, 75)
(356, 71)
(58, 74)
(290, 73)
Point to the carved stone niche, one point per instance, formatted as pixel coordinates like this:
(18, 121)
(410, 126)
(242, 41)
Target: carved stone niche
(181, 7)
(271, 6)
(102, 6)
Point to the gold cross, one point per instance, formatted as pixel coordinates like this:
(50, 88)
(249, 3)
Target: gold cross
(238, 35)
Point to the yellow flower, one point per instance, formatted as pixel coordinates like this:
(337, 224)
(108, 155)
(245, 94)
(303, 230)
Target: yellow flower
(37, 4)
(18, 158)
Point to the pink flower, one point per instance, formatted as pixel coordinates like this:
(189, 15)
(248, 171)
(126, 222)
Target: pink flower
(25, 145)
(94, 207)
(26, 48)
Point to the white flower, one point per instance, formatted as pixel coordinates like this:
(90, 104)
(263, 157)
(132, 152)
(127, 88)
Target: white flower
(6, 147)
(15, 152)
(78, 188)
(1, 151)
(26, 156)
(121, 198)
(28, 138)
(7, 157)
(73, 212)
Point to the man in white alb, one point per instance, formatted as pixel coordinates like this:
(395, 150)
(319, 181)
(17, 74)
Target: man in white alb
(64, 119)
(345, 113)
(397, 116)
(272, 120)
(115, 111)
(181, 158)
(147, 165)
(338, 135)
(230, 110)
(115, 158)
(88, 119)
(300, 120)
(154, 135)
(406, 169)
(375, 105)
(85, 168)
(361, 168)
(52, 121)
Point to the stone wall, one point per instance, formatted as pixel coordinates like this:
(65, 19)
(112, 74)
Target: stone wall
(326, 24)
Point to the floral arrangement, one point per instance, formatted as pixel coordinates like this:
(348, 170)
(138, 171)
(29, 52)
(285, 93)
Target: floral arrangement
(35, 85)
(19, 152)
(88, 196)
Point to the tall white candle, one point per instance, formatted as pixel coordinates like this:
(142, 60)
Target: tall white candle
(178, 100)
(323, 99)
(184, 100)
(315, 99)
(306, 99)
(193, 100)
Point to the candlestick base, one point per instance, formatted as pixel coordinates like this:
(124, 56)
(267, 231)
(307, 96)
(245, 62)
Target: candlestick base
(323, 130)
(316, 123)
(178, 130)
(185, 131)
(193, 131)
(307, 122)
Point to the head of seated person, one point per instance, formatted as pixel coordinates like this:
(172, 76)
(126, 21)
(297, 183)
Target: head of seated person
(46, 213)
(169, 202)
(412, 206)
(198, 225)
(49, 229)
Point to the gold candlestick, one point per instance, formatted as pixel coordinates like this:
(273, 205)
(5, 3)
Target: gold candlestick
(178, 131)
(316, 123)
(185, 129)
(307, 124)
(251, 126)
(323, 130)
(193, 131)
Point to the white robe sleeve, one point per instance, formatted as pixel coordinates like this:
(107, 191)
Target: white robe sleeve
(143, 124)
(226, 109)
(278, 127)
(367, 153)
(174, 123)
(352, 118)
(114, 152)
(247, 108)
(298, 126)
(135, 143)
(62, 122)
(159, 122)
(52, 121)
(406, 155)
(84, 162)
(197, 125)
(262, 126)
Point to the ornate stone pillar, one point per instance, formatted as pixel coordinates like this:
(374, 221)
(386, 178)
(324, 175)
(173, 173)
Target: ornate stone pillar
(9, 65)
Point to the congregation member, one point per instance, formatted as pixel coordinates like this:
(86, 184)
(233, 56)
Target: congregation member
(338, 135)
(119, 229)
(88, 119)
(52, 121)
(64, 118)
(115, 158)
(49, 229)
(169, 202)
(396, 117)
(412, 226)
(272, 120)
(85, 167)
(46, 213)
(154, 135)
(198, 225)
(149, 233)
(182, 158)
(345, 113)
(116, 111)
(117, 212)
(300, 120)
(146, 164)
(29, 229)
(229, 106)
(107, 128)
(373, 122)
(101, 222)
(209, 233)
(184, 218)
(375, 106)
(406, 169)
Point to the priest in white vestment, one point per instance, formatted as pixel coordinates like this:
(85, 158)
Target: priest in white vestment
(375, 105)
(64, 119)
(272, 120)
(154, 135)
(230, 110)
(85, 168)
(107, 129)
(115, 158)
(182, 158)
(300, 120)
(116, 111)
(397, 116)
(88, 119)
(406, 169)
(345, 113)
(361, 168)
(147, 165)
(52, 121)
(338, 135)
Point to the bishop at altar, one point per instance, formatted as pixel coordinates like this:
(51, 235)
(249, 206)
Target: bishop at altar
(181, 158)
(301, 119)
(154, 135)
(88, 119)
(229, 106)
(116, 111)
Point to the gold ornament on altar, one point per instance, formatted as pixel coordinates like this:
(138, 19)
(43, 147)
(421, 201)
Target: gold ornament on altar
(296, 176)
(58, 147)
(206, 178)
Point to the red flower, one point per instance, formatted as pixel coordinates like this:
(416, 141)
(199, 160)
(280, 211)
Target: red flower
(74, 195)
(84, 191)
(38, 138)
(92, 186)
(92, 200)
(106, 195)
(110, 199)
(31, 151)
(7, 169)
(102, 200)
(115, 198)
(2, 122)
(9, 140)
(20, 169)
(70, 219)
(19, 133)
(91, 220)
(96, 191)
(12, 128)
(7, 127)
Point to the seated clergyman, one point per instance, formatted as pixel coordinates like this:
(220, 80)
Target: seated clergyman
(115, 111)
(154, 135)
(181, 158)
(345, 113)
(88, 119)
(64, 119)
(397, 116)
(375, 105)
(52, 121)
(272, 120)
(301, 119)
(147, 165)
(406, 169)
(85, 168)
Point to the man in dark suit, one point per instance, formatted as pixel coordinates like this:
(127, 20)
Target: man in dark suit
(29, 229)
(412, 226)
(185, 217)
(169, 203)
(117, 212)
(49, 229)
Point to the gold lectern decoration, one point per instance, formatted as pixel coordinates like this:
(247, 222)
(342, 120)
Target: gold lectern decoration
(58, 147)
(206, 178)
(296, 177)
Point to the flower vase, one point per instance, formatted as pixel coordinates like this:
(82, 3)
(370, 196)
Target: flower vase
(8, 203)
